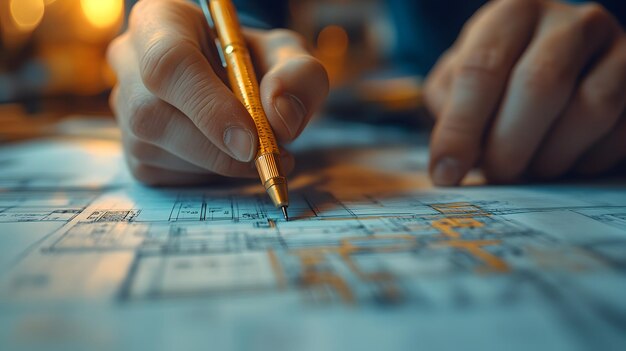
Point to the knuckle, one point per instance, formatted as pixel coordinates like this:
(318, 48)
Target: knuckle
(593, 14)
(481, 64)
(146, 8)
(472, 22)
(434, 95)
(142, 119)
(160, 60)
(592, 18)
(113, 47)
(541, 76)
(138, 12)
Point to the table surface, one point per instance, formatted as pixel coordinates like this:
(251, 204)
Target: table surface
(375, 258)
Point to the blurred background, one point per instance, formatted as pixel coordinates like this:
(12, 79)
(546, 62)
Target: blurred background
(52, 48)
(52, 60)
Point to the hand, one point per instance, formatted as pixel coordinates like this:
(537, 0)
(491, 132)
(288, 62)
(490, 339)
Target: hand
(531, 88)
(180, 123)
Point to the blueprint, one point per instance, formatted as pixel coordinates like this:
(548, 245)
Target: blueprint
(373, 258)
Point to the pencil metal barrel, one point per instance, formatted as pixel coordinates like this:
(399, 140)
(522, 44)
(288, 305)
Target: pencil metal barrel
(244, 84)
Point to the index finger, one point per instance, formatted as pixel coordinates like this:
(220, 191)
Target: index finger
(168, 37)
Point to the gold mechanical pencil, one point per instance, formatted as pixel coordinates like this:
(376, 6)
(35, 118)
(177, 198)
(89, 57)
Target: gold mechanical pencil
(222, 16)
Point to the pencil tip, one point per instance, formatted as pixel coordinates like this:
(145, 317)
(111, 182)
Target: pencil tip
(284, 208)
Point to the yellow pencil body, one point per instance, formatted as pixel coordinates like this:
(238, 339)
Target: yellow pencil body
(244, 84)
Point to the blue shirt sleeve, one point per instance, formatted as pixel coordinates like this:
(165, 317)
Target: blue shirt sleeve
(262, 13)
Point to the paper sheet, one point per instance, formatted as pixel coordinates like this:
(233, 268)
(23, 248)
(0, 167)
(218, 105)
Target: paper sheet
(374, 257)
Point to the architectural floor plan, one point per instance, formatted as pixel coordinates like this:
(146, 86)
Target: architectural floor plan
(372, 249)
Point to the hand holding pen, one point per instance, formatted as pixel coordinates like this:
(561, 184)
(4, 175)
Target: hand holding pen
(180, 122)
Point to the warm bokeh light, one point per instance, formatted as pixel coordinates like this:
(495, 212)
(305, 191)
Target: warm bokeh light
(332, 50)
(333, 41)
(26, 14)
(102, 13)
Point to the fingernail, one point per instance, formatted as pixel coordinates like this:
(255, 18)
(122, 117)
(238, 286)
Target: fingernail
(240, 143)
(447, 172)
(291, 111)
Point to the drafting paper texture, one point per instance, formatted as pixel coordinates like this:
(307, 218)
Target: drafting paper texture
(374, 258)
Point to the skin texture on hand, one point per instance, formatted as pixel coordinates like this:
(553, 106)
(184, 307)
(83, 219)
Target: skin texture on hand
(180, 123)
(531, 89)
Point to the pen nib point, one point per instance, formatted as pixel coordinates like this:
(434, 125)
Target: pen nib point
(284, 209)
